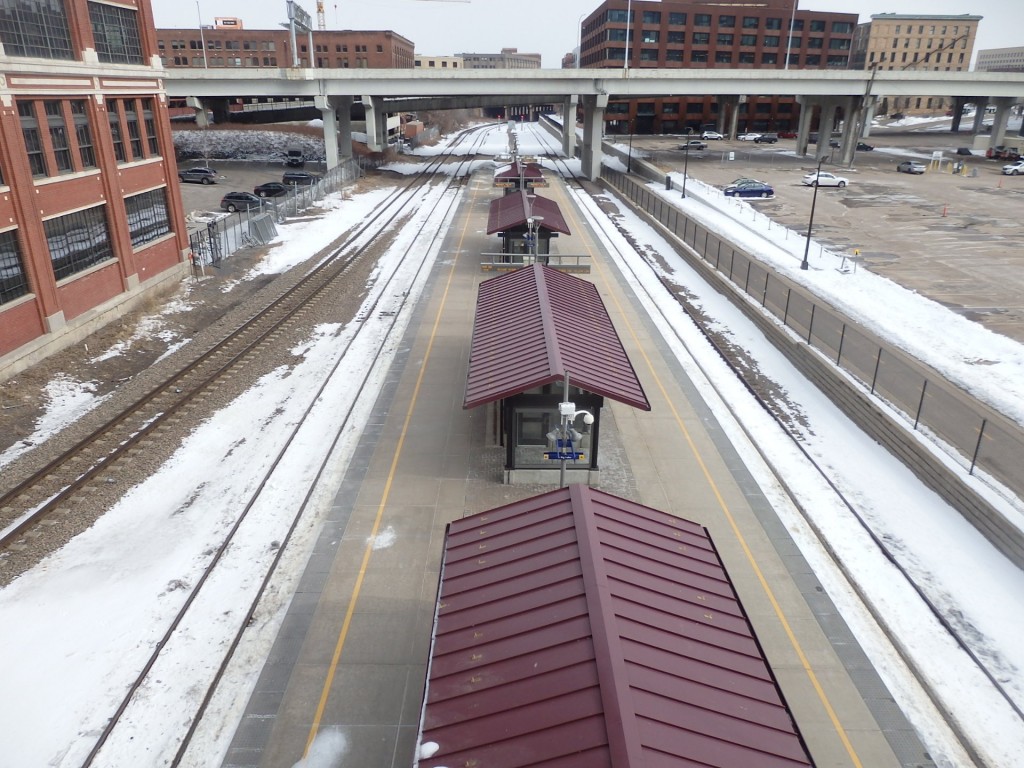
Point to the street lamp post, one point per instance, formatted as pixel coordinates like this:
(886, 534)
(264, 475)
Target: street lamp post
(629, 160)
(629, 29)
(686, 158)
(810, 222)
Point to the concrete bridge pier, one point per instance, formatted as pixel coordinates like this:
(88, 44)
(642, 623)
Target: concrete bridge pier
(593, 130)
(958, 112)
(826, 124)
(569, 125)
(979, 113)
(337, 133)
(803, 131)
(1004, 105)
(376, 123)
(729, 115)
(852, 108)
(868, 106)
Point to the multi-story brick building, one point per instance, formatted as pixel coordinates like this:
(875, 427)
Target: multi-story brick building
(439, 62)
(90, 209)
(240, 47)
(727, 34)
(509, 58)
(916, 42)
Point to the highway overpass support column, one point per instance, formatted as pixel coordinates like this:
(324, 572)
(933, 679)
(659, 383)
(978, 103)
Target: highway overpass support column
(958, 113)
(731, 106)
(569, 125)
(979, 114)
(202, 119)
(1003, 106)
(852, 108)
(826, 124)
(329, 107)
(593, 128)
(803, 131)
(376, 123)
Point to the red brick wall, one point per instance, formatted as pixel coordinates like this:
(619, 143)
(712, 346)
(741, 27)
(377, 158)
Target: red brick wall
(20, 323)
(82, 293)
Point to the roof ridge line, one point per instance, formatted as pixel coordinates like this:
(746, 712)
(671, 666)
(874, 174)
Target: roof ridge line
(555, 364)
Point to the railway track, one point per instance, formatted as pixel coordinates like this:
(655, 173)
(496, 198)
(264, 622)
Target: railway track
(56, 490)
(965, 637)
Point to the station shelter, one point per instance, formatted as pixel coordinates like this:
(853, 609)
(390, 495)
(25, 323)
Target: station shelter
(536, 329)
(519, 176)
(525, 223)
(578, 628)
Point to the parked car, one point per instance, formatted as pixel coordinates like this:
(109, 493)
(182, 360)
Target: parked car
(787, 134)
(910, 166)
(964, 151)
(897, 116)
(824, 179)
(749, 188)
(198, 175)
(748, 136)
(862, 147)
(766, 138)
(744, 180)
(834, 143)
(1014, 169)
(693, 144)
(239, 201)
(712, 136)
(271, 189)
(299, 178)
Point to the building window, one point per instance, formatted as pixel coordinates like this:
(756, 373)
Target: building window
(838, 62)
(701, 38)
(78, 240)
(797, 26)
(812, 60)
(380, 49)
(841, 27)
(769, 58)
(772, 41)
(748, 39)
(33, 142)
(13, 281)
(723, 57)
(726, 21)
(36, 28)
(115, 130)
(58, 136)
(651, 17)
(134, 129)
(724, 39)
(818, 42)
(702, 19)
(751, 22)
(617, 35)
(149, 122)
(773, 23)
(147, 216)
(746, 57)
(698, 56)
(116, 33)
(677, 38)
(677, 19)
(649, 36)
(648, 54)
(817, 25)
(839, 44)
(674, 56)
(617, 16)
(616, 54)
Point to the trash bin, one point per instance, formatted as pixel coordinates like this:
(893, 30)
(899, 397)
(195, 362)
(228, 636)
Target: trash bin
(668, 182)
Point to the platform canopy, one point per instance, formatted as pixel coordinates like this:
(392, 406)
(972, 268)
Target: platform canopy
(512, 211)
(577, 629)
(534, 325)
(531, 172)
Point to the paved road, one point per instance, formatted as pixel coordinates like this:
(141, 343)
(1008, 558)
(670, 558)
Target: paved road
(955, 239)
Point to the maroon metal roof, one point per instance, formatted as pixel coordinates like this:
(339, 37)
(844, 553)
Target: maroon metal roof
(511, 211)
(576, 628)
(534, 324)
(531, 172)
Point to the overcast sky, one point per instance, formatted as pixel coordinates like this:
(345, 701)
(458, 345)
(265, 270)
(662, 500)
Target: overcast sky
(547, 27)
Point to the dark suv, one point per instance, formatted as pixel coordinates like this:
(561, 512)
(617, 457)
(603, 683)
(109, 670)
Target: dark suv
(239, 201)
(767, 138)
(299, 178)
(198, 175)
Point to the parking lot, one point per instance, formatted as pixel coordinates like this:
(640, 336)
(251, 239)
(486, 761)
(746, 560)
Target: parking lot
(237, 177)
(956, 239)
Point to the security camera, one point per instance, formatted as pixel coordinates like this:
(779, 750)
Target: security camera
(588, 418)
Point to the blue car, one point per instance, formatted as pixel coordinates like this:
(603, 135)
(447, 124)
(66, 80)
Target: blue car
(749, 188)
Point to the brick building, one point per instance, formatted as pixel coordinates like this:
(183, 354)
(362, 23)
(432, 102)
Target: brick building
(727, 34)
(1000, 60)
(240, 47)
(916, 42)
(90, 210)
(509, 58)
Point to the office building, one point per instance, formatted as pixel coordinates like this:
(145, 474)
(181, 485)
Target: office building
(730, 34)
(1000, 60)
(90, 209)
(893, 41)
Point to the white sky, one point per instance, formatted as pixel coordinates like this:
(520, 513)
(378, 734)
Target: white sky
(448, 27)
(117, 584)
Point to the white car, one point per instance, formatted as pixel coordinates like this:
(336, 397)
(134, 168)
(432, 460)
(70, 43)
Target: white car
(824, 179)
(748, 136)
(1014, 169)
(712, 136)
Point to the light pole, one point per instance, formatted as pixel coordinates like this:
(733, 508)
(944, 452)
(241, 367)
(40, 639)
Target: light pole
(629, 18)
(789, 39)
(567, 411)
(629, 160)
(579, 48)
(686, 158)
(810, 222)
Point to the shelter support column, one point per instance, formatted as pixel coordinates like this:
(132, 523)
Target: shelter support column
(376, 123)
(593, 130)
(569, 125)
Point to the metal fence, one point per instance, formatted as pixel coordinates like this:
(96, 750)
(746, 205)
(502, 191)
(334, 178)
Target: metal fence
(980, 439)
(223, 235)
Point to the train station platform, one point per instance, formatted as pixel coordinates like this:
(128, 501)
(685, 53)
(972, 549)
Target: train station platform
(348, 668)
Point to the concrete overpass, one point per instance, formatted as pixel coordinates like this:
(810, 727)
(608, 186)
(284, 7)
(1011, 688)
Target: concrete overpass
(856, 92)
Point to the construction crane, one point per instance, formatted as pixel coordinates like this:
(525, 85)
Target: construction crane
(321, 22)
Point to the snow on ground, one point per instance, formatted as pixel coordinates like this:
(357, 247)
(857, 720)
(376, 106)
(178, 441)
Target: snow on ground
(99, 577)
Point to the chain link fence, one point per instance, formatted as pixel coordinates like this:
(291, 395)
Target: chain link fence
(976, 436)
